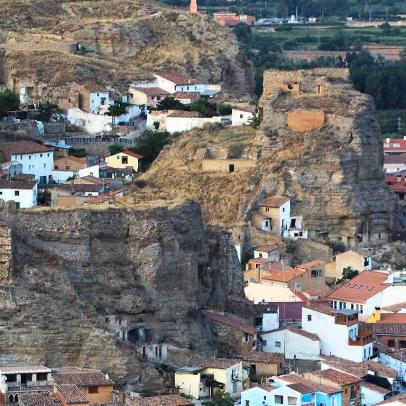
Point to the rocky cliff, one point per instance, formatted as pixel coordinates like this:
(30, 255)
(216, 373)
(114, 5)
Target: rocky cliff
(69, 271)
(121, 41)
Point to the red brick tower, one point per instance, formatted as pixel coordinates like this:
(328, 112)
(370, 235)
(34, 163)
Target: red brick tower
(193, 6)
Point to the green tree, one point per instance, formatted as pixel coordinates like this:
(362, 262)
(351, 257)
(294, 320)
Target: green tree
(115, 148)
(220, 398)
(225, 109)
(114, 111)
(204, 107)
(169, 103)
(9, 101)
(78, 152)
(47, 111)
(149, 145)
(255, 121)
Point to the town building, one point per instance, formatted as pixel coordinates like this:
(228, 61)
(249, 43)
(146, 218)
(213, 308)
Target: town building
(394, 163)
(358, 260)
(397, 184)
(19, 378)
(93, 98)
(293, 342)
(69, 163)
(148, 96)
(200, 378)
(229, 19)
(262, 293)
(261, 364)
(348, 384)
(186, 98)
(270, 252)
(23, 193)
(70, 394)
(123, 160)
(369, 290)
(234, 336)
(394, 145)
(73, 195)
(93, 384)
(339, 330)
(36, 159)
(242, 115)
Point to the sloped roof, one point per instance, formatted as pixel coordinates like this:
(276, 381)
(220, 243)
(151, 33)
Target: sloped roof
(311, 264)
(304, 333)
(274, 201)
(395, 159)
(216, 363)
(264, 357)
(177, 78)
(22, 148)
(266, 248)
(71, 393)
(36, 399)
(359, 289)
(309, 385)
(230, 320)
(281, 273)
(161, 400)
(375, 388)
(152, 91)
(81, 377)
(17, 184)
(335, 376)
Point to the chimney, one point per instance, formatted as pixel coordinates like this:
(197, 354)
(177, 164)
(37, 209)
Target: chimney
(377, 314)
(193, 6)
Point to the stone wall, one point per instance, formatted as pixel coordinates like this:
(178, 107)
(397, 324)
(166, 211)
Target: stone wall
(303, 121)
(5, 253)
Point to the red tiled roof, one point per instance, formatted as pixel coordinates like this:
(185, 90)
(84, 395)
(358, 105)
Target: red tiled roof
(92, 87)
(264, 357)
(296, 330)
(268, 388)
(22, 148)
(71, 393)
(278, 272)
(177, 78)
(81, 377)
(231, 321)
(395, 308)
(152, 91)
(133, 154)
(301, 387)
(400, 398)
(359, 289)
(274, 201)
(36, 399)
(313, 386)
(359, 369)
(186, 95)
(392, 318)
(394, 145)
(216, 363)
(395, 159)
(311, 264)
(335, 376)
(23, 368)
(17, 184)
(162, 400)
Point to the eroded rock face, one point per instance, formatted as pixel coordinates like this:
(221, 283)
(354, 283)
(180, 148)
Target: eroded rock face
(71, 269)
(332, 173)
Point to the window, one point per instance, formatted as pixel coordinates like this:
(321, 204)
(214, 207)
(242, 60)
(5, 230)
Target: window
(391, 343)
(344, 305)
(40, 155)
(267, 209)
(279, 400)
(309, 317)
(234, 387)
(402, 344)
(1, 193)
(283, 210)
(335, 304)
(247, 403)
(93, 389)
(352, 306)
(48, 155)
(16, 193)
(277, 344)
(29, 156)
(124, 160)
(365, 353)
(45, 165)
(292, 400)
(316, 273)
(241, 116)
(42, 376)
(361, 308)
(245, 337)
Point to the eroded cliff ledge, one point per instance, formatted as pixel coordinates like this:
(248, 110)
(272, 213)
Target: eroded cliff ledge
(69, 270)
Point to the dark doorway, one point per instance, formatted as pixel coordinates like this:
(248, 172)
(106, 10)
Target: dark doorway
(231, 168)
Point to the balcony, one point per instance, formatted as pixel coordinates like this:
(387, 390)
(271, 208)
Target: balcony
(346, 320)
(364, 337)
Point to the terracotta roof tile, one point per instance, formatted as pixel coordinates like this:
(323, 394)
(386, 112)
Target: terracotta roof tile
(395, 159)
(231, 321)
(152, 91)
(311, 264)
(36, 399)
(395, 308)
(315, 387)
(296, 330)
(394, 145)
(71, 393)
(265, 357)
(162, 400)
(17, 184)
(22, 148)
(392, 329)
(216, 363)
(268, 388)
(361, 288)
(393, 318)
(375, 388)
(281, 273)
(274, 201)
(267, 248)
(301, 388)
(81, 377)
(335, 376)
(186, 95)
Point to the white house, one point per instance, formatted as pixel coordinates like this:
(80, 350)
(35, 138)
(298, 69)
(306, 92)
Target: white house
(258, 396)
(242, 115)
(36, 159)
(23, 193)
(174, 82)
(93, 170)
(261, 293)
(369, 290)
(372, 394)
(270, 252)
(339, 331)
(293, 342)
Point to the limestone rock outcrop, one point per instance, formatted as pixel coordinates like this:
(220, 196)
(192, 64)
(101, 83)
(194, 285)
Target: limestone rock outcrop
(71, 270)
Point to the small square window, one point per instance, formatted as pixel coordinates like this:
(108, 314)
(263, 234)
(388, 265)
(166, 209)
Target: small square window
(16, 193)
(40, 155)
(279, 400)
(277, 344)
(309, 317)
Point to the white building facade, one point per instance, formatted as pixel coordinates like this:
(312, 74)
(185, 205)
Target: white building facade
(23, 193)
(39, 164)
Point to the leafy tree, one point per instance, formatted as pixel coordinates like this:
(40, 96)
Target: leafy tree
(169, 103)
(149, 145)
(78, 152)
(348, 273)
(115, 148)
(225, 109)
(291, 245)
(8, 101)
(114, 111)
(47, 111)
(220, 398)
(204, 107)
(255, 121)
